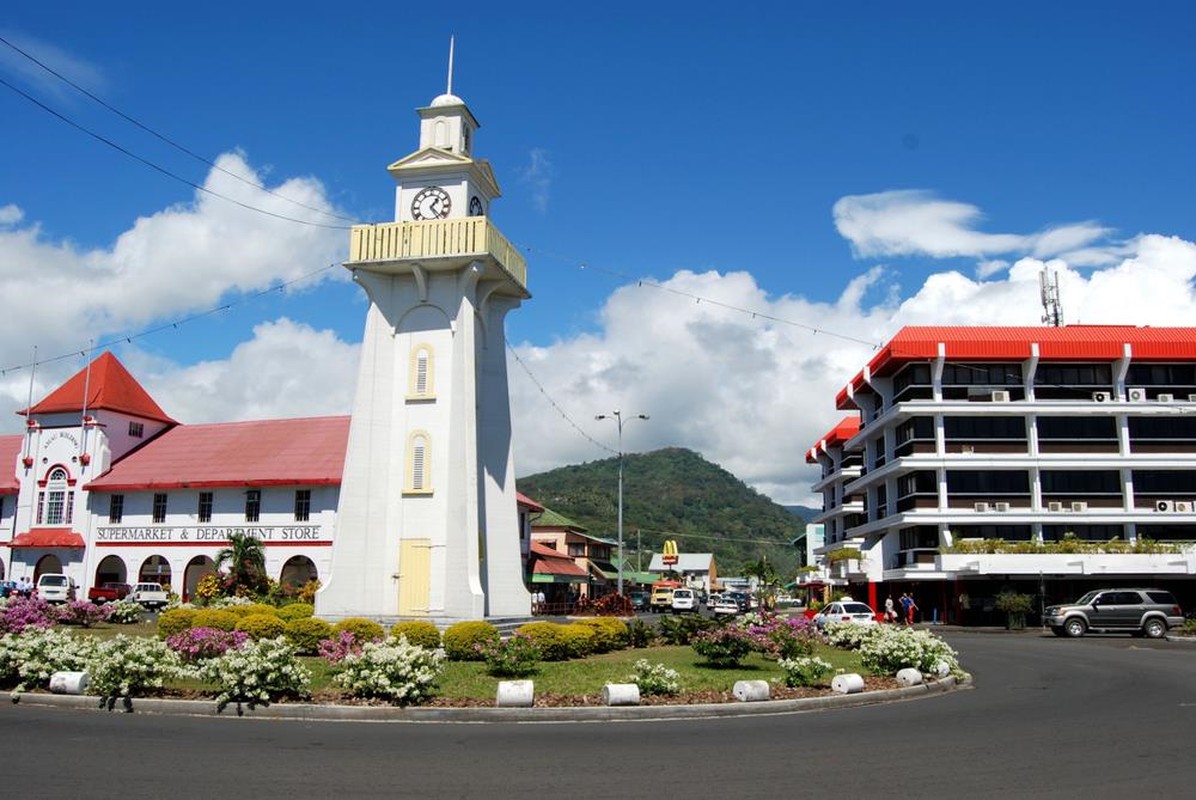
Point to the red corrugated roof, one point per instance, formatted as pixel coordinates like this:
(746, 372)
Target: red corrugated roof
(553, 562)
(1067, 343)
(47, 537)
(10, 449)
(844, 430)
(109, 386)
(275, 452)
(527, 502)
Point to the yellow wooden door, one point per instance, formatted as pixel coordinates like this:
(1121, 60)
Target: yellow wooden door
(415, 576)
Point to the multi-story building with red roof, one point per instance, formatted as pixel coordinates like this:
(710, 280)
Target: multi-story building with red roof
(1045, 461)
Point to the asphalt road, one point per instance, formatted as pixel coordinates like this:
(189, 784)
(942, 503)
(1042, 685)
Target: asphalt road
(1096, 717)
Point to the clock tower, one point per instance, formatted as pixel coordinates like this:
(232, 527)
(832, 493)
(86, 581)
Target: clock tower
(427, 523)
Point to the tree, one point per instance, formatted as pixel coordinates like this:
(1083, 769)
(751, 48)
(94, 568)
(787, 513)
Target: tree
(766, 580)
(246, 558)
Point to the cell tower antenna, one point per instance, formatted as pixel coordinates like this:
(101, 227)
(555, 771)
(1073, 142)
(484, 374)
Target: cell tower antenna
(1052, 310)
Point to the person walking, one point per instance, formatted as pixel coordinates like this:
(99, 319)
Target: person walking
(890, 613)
(906, 603)
(910, 610)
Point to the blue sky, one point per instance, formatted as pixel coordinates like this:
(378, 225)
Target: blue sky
(847, 166)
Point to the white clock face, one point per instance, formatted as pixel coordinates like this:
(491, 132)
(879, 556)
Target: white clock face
(432, 202)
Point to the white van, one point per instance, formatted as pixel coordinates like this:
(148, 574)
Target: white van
(54, 587)
(684, 600)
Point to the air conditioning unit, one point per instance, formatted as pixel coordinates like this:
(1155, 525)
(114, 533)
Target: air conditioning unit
(1135, 394)
(1192, 398)
(1000, 397)
(1101, 397)
(1182, 506)
(1163, 505)
(1054, 505)
(980, 506)
(1001, 506)
(1166, 398)
(967, 449)
(1079, 505)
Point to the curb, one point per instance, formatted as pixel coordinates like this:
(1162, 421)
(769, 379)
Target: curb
(340, 713)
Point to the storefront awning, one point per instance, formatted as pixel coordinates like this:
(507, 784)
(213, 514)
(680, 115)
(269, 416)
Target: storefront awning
(47, 537)
(605, 569)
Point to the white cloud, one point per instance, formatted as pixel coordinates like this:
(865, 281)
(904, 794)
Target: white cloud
(538, 175)
(753, 395)
(71, 67)
(912, 222)
(181, 260)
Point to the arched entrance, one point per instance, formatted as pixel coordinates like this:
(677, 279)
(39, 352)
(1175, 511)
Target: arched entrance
(111, 569)
(155, 569)
(296, 572)
(47, 563)
(196, 569)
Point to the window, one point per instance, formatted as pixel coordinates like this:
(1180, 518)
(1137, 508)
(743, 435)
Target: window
(136, 429)
(1161, 375)
(1149, 481)
(253, 505)
(987, 482)
(421, 377)
(1162, 428)
(1081, 482)
(1073, 375)
(159, 508)
(577, 550)
(982, 375)
(1077, 428)
(54, 507)
(116, 509)
(302, 505)
(204, 512)
(955, 428)
(419, 468)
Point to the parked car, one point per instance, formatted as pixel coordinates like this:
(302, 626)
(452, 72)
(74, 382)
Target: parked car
(742, 599)
(850, 612)
(1141, 612)
(54, 587)
(711, 599)
(725, 606)
(640, 600)
(107, 592)
(8, 588)
(150, 595)
(684, 600)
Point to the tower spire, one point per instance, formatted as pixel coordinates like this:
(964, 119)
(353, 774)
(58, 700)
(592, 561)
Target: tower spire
(450, 72)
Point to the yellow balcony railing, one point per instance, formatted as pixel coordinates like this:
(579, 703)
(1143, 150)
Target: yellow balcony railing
(441, 238)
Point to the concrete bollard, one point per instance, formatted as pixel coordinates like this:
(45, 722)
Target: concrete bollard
(515, 694)
(750, 691)
(621, 694)
(69, 682)
(942, 669)
(847, 683)
(909, 677)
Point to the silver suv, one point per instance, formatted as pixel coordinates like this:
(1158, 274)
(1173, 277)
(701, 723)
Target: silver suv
(1142, 612)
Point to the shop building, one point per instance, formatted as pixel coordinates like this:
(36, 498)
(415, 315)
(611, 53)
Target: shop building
(1040, 460)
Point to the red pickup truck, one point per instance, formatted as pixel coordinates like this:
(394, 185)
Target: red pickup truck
(106, 592)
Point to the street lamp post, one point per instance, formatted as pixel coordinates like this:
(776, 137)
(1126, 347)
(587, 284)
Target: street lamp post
(618, 418)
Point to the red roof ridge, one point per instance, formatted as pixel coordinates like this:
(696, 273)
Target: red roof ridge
(109, 386)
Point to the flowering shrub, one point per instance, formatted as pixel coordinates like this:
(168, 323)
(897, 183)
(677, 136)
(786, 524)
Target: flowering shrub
(365, 630)
(220, 618)
(307, 592)
(804, 670)
(124, 612)
(393, 669)
(418, 631)
(893, 649)
(232, 601)
(256, 673)
(33, 655)
(724, 646)
(199, 644)
(609, 633)
(847, 636)
(174, 620)
(262, 626)
(83, 613)
(610, 605)
(655, 678)
(125, 666)
(514, 657)
(779, 637)
(337, 649)
(24, 612)
(296, 611)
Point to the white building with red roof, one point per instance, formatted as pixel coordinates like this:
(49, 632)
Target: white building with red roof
(1044, 460)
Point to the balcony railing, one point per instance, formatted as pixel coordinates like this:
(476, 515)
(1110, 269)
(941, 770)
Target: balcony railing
(431, 239)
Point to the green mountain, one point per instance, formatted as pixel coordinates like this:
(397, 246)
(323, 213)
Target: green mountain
(672, 494)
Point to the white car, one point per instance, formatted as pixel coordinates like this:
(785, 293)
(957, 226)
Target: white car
(724, 606)
(54, 587)
(684, 600)
(850, 612)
